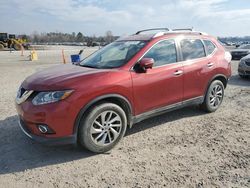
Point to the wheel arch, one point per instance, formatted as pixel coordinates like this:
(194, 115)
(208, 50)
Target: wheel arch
(120, 100)
(220, 77)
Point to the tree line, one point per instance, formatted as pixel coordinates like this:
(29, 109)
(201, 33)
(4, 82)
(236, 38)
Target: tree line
(59, 37)
(235, 39)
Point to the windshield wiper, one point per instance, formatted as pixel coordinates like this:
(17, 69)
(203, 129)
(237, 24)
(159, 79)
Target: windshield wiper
(89, 66)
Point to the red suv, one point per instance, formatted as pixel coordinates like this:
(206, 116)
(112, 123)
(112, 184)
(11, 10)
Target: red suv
(127, 81)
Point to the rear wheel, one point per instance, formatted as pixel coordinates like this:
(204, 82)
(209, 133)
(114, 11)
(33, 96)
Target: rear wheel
(102, 128)
(214, 96)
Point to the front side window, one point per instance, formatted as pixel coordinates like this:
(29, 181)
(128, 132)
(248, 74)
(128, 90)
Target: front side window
(113, 55)
(192, 49)
(163, 53)
(209, 46)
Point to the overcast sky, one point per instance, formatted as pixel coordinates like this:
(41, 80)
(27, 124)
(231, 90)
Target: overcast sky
(217, 17)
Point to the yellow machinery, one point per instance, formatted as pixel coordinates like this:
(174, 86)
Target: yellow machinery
(10, 41)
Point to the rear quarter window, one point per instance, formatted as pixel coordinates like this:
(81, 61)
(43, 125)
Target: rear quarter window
(209, 46)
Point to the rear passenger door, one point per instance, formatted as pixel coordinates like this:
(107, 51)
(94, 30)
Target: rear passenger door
(198, 68)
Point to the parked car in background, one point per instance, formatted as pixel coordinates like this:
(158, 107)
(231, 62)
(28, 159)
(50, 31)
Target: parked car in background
(244, 67)
(240, 52)
(123, 83)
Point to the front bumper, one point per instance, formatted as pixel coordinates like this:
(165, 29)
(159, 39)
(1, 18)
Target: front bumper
(59, 117)
(45, 140)
(244, 70)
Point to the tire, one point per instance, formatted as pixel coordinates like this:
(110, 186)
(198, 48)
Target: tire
(17, 46)
(243, 76)
(1, 47)
(95, 134)
(213, 97)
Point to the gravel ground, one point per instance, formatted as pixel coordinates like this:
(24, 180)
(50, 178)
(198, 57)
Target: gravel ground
(184, 148)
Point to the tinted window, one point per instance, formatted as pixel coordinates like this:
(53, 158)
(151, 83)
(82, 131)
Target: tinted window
(163, 53)
(210, 47)
(192, 49)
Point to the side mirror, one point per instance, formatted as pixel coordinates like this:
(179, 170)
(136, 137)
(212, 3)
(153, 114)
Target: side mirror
(146, 63)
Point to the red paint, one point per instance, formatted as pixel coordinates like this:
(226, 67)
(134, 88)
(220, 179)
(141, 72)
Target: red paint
(156, 88)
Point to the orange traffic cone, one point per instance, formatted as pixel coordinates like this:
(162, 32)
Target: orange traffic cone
(63, 57)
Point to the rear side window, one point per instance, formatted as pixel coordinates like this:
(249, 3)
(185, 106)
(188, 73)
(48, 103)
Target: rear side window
(209, 46)
(163, 53)
(192, 49)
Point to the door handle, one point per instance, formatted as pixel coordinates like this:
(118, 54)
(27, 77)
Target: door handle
(178, 72)
(210, 64)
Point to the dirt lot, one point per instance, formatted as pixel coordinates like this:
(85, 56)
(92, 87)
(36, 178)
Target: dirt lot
(185, 148)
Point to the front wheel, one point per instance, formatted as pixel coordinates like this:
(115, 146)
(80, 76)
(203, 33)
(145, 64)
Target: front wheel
(102, 128)
(214, 96)
(17, 46)
(1, 47)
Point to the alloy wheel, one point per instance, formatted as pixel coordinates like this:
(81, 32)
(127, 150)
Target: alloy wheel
(215, 96)
(106, 128)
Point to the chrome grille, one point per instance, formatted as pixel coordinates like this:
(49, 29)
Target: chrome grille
(22, 95)
(20, 92)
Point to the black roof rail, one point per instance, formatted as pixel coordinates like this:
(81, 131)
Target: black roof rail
(183, 29)
(188, 30)
(153, 29)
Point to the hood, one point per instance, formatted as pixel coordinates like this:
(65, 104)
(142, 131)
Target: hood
(246, 57)
(58, 77)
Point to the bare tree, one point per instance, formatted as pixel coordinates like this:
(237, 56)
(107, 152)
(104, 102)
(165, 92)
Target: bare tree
(109, 37)
(60, 37)
(79, 37)
(35, 36)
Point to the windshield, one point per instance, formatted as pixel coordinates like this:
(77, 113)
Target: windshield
(113, 55)
(244, 47)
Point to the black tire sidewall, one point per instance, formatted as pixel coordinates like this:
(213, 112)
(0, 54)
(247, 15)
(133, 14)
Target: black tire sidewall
(243, 76)
(208, 107)
(16, 46)
(1, 47)
(86, 123)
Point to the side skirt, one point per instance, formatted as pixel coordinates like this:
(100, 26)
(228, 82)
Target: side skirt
(162, 110)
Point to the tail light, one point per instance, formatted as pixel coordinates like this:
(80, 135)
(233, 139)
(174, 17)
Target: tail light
(228, 56)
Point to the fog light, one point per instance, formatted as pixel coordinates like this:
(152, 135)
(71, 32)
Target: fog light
(43, 128)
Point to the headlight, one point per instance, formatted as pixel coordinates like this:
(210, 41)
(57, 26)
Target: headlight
(242, 62)
(50, 97)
